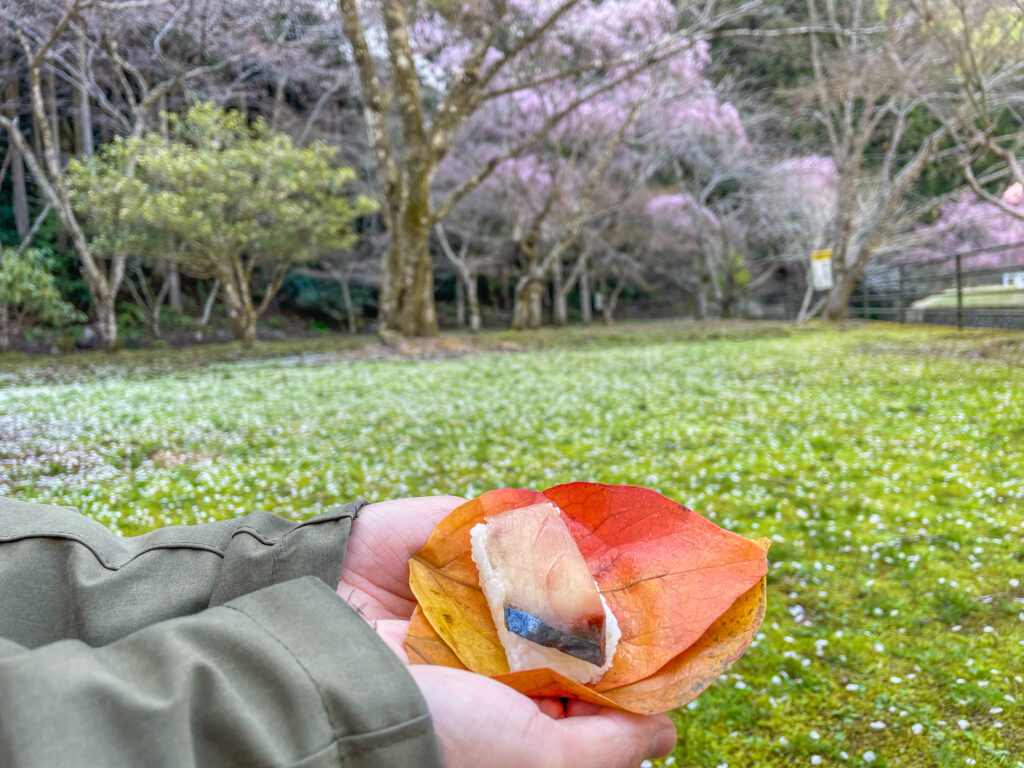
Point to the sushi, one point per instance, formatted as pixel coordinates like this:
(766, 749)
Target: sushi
(545, 604)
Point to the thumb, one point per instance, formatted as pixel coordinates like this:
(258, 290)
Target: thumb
(612, 739)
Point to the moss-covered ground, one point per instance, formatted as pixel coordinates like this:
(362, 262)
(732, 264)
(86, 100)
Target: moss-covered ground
(886, 463)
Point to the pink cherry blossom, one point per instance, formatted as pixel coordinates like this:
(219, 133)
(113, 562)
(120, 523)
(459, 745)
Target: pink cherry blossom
(1014, 194)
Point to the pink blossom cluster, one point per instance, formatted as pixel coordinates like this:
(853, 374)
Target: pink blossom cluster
(812, 174)
(969, 223)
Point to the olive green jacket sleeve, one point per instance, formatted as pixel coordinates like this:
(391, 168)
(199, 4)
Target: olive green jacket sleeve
(212, 645)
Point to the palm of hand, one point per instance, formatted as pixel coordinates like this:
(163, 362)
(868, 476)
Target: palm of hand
(375, 576)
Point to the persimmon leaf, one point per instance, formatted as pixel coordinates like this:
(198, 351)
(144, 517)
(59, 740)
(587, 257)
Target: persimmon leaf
(687, 675)
(688, 595)
(666, 572)
(425, 646)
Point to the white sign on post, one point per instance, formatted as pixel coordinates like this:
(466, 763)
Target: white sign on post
(821, 269)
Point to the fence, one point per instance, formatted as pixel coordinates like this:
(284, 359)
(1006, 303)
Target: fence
(983, 287)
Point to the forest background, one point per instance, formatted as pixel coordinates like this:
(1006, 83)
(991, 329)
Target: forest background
(176, 171)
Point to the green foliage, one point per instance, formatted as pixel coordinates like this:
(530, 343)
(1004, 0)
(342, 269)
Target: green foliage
(131, 317)
(216, 188)
(885, 463)
(66, 343)
(28, 291)
(106, 195)
(323, 298)
(221, 196)
(769, 69)
(319, 326)
(64, 264)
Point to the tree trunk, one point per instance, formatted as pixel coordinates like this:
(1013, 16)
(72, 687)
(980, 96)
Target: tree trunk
(241, 314)
(536, 304)
(51, 103)
(702, 301)
(106, 318)
(613, 302)
(460, 303)
(19, 193)
(527, 303)
(163, 118)
(275, 115)
(559, 303)
(839, 299)
(19, 190)
(520, 317)
(159, 302)
(465, 281)
(249, 331)
(173, 271)
(243, 324)
(143, 296)
(505, 295)
(346, 298)
(844, 281)
(38, 117)
(407, 294)
(473, 301)
(106, 314)
(207, 310)
(174, 287)
(586, 307)
(804, 313)
(83, 108)
(725, 305)
(107, 288)
(103, 287)
(5, 328)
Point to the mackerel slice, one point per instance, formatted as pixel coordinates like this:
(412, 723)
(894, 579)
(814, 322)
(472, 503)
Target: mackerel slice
(587, 645)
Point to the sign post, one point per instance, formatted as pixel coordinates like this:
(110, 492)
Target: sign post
(821, 269)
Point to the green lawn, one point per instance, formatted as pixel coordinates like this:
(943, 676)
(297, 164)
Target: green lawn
(979, 297)
(886, 463)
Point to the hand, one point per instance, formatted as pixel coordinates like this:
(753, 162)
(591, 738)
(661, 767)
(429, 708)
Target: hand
(480, 721)
(375, 573)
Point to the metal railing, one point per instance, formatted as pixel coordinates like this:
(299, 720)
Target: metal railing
(949, 290)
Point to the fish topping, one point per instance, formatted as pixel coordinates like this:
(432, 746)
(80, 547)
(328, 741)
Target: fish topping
(587, 644)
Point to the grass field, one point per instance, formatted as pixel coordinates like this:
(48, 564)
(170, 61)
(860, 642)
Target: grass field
(886, 463)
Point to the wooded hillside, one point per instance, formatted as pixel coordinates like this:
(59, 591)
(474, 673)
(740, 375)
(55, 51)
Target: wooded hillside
(178, 171)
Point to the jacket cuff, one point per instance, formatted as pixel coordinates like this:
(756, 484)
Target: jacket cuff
(372, 706)
(269, 550)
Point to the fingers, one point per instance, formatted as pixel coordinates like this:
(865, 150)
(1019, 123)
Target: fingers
(479, 721)
(405, 524)
(613, 739)
(576, 708)
(552, 707)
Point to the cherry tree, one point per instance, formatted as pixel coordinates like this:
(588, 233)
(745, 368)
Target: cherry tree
(971, 223)
(426, 71)
(985, 40)
(560, 197)
(689, 245)
(893, 95)
(799, 203)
